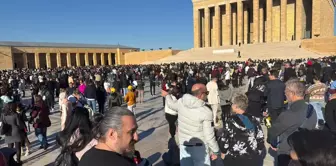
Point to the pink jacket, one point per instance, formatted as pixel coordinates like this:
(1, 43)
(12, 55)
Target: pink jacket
(82, 88)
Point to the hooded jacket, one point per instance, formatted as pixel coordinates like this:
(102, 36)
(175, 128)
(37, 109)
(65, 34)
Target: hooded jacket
(195, 120)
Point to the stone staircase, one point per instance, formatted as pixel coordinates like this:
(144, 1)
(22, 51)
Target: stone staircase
(280, 50)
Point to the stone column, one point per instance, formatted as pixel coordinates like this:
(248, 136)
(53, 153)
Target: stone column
(246, 23)
(283, 18)
(228, 39)
(316, 14)
(102, 59)
(48, 59)
(68, 57)
(217, 25)
(118, 56)
(298, 19)
(269, 5)
(109, 58)
(240, 22)
(25, 60)
(255, 21)
(37, 60)
(78, 60)
(86, 56)
(196, 17)
(261, 24)
(207, 26)
(58, 59)
(95, 59)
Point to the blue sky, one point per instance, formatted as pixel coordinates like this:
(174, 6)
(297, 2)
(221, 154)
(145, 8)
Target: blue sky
(144, 24)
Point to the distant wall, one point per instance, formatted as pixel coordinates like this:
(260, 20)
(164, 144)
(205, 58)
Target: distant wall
(322, 45)
(6, 59)
(144, 56)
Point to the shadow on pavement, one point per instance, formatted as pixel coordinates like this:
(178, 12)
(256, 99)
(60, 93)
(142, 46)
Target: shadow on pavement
(50, 138)
(150, 113)
(146, 133)
(154, 157)
(43, 154)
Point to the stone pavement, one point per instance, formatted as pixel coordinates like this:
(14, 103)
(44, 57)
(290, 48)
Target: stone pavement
(153, 134)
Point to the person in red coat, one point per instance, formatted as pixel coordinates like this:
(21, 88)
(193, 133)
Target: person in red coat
(40, 120)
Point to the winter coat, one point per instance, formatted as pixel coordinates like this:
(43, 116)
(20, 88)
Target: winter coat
(213, 97)
(40, 116)
(237, 139)
(195, 120)
(16, 130)
(90, 92)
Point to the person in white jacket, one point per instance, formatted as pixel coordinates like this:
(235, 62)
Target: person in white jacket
(213, 97)
(171, 115)
(195, 127)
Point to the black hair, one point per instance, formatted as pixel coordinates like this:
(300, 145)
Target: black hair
(71, 141)
(314, 147)
(274, 73)
(10, 108)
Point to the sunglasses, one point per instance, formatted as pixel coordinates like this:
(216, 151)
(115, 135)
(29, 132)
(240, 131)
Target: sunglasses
(206, 92)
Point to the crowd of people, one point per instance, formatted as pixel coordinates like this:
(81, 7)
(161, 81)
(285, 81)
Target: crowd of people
(215, 111)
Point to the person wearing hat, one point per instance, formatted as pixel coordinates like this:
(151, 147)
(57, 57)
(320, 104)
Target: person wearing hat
(114, 99)
(130, 99)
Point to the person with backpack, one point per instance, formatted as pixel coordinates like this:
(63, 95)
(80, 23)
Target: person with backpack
(299, 114)
(114, 99)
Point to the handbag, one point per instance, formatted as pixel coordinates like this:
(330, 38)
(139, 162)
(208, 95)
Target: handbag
(4, 128)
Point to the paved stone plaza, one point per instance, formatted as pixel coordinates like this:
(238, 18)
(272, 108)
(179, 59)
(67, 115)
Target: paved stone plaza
(153, 133)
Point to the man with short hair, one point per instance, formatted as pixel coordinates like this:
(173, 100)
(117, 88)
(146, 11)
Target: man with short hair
(298, 115)
(274, 92)
(117, 137)
(196, 128)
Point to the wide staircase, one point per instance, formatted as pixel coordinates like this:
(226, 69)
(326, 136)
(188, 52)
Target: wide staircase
(280, 50)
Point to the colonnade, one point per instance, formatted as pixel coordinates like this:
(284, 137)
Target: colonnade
(51, 60)
(255, 21)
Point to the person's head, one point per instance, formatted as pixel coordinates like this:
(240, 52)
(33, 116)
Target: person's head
(214, 79)
(200, 91)
(295, 90)
(239, 103)
(274, 74)
(313, 147)
(71, 85)
(38, 100)
(76, 93)
(79, 124)
(81, 81)
(117, 130)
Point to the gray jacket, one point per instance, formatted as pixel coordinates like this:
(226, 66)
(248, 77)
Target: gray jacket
(195, 120)
(288, 122)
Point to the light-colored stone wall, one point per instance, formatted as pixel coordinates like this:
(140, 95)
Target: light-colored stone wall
(322, 45)
(327, 18)
(144, 56)
(6, 61)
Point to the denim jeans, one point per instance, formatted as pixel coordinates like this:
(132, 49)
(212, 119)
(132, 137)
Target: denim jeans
(125, 90)
(318, 108)
(41, 134)
(194, 156)
(92, 104)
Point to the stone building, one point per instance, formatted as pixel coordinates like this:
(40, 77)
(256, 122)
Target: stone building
(234, 22)
(51, 55)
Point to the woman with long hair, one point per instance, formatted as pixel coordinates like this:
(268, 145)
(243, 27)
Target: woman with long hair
(15, 133)
(76, 138)
(171, 115)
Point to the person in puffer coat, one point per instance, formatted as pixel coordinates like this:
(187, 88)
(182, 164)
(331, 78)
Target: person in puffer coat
(196, 128)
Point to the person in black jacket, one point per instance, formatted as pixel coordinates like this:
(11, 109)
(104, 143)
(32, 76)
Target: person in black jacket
(152, 83)
(274, 92)
(289, 72)
(101, 97)
(90, 94)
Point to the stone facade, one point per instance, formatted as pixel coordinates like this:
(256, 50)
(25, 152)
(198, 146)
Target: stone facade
(257, 21)
(146, 56)
(322, 45)
(51, 57)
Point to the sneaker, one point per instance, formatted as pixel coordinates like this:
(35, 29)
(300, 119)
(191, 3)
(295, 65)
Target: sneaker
(27, 153)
